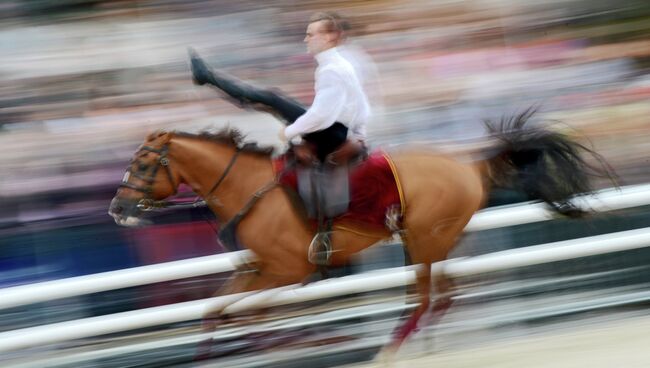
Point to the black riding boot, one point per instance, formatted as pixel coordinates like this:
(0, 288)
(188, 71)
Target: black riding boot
(246, 95)
(202, 74)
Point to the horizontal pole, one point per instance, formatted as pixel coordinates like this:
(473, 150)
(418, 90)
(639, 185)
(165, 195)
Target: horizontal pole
(610, 199)
(102, 325)
(369, 281)
(529, 212)
(194, 310)
(533, 255)
(228, 333)
(550, 252)
(57, 289)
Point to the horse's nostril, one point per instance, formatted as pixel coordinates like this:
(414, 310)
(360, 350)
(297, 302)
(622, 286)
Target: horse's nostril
(117, 209)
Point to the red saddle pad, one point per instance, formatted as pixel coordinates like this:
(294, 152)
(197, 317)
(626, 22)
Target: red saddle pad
(374, 188)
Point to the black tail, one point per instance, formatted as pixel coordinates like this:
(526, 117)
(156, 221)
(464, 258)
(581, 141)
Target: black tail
(545, 164)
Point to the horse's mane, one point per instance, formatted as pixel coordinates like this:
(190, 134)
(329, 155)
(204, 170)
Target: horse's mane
(230, 136)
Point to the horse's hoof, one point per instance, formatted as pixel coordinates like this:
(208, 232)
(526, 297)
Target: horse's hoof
(386, 356)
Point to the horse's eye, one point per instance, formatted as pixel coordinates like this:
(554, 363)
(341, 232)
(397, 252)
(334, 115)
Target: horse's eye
(142, 167)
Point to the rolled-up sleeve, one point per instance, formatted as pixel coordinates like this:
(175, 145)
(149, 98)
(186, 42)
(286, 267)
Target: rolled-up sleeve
(329, 99)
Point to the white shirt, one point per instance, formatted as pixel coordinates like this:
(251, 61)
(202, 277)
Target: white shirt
(339, 96)
(367, 74)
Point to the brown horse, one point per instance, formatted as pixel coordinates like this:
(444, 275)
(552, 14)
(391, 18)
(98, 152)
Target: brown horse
(439, 196)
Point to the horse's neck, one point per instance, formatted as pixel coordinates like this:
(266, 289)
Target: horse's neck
(202, 164)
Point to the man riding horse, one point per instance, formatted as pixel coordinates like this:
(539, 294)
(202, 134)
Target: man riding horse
(326, 134)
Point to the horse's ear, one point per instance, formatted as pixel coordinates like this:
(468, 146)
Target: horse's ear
(164, 135)
(159, 134)
(150, 136)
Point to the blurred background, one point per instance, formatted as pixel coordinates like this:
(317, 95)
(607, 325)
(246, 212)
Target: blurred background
(85, 80)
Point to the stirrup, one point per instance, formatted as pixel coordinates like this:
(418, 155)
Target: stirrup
(320, 249)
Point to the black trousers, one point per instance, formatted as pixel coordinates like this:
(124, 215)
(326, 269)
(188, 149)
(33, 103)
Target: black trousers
(326, 141)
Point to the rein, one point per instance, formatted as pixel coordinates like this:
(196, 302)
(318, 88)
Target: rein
(225, 172)
(227, 234)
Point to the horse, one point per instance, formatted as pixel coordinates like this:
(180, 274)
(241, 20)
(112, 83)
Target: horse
(439, 193)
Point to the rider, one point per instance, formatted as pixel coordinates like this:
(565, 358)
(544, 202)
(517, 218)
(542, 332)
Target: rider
(340, 109)
(332, 128)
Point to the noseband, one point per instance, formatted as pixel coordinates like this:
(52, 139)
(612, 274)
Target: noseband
(147, 203)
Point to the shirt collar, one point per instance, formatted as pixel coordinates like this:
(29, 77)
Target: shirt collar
(327, 56)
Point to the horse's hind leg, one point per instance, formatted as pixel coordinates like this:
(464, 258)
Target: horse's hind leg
(422, 286)
(427, 245)
(443, 299)
(444, 288)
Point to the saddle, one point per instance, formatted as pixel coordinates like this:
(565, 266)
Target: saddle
(324, 186)
(349, 185)
(373, 187)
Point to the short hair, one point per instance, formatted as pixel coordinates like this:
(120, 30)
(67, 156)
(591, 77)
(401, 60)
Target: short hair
(333, 22)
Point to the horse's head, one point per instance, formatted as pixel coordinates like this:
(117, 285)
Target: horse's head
(148, 178)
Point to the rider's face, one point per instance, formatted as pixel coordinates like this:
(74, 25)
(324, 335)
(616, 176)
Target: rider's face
(317, 38)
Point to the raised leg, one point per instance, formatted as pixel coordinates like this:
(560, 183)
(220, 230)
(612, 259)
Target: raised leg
(246, 95)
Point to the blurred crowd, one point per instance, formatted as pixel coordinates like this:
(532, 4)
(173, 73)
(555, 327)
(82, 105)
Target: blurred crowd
(84, 81)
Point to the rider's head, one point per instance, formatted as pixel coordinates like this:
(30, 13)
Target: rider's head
(325, 30)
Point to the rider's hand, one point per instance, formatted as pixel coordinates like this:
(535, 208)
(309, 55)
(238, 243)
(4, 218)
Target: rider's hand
(304, 155)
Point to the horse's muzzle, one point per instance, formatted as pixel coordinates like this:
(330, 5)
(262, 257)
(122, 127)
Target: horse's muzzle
(126, 212)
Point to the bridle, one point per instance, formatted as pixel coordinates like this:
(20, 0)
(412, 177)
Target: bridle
(148, 203)
(227, 233)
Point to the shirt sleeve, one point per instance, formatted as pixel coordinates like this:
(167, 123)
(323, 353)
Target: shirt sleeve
(359, 131)
(328, 104)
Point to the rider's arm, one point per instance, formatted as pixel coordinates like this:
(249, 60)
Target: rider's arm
(328, 103)
(359, 131)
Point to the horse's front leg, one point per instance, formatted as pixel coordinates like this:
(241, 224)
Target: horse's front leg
(238, 283)
(212, 316)
(262, 281)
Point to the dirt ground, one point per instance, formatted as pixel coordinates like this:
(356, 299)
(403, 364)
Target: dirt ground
(616, 344)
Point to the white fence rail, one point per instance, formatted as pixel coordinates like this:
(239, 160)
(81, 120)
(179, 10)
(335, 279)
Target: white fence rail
(551, 252)
(89, 327)
(74, 286)
(605, 200)
(95, 326)
(610, 199)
